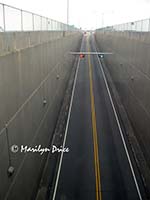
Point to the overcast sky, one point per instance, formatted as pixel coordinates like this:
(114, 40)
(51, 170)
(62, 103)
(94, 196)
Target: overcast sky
(87, 13)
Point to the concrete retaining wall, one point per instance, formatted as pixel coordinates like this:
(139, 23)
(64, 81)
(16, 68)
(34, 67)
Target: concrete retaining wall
(129, 67)
(12, 41)
(28, 76)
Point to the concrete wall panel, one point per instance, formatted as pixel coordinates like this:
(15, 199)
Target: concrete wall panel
(130, 70)
(27, 77)
(12, 41)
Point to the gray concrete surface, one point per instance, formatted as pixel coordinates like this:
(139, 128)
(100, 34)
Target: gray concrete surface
(12, 41)
(29, 75)
(129, 68)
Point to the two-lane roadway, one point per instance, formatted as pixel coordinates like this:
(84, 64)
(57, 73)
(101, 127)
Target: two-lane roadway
(98, 165)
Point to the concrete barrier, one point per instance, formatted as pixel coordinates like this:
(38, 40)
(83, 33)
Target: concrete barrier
(33, 79)
(12, 41)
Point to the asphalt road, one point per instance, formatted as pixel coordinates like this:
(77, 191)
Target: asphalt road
(96, 166)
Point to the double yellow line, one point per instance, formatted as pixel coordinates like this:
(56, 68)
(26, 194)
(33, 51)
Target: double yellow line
(95, 140)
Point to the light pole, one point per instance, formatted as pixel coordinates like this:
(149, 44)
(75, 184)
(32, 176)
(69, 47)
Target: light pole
(102, 20)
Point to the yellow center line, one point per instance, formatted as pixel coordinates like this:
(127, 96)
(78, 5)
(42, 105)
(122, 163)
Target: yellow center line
(94, 127)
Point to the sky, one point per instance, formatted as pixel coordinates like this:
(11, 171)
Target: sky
(87, 14)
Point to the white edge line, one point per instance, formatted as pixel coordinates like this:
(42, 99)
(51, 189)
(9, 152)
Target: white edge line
(66, 130)
(119, 126)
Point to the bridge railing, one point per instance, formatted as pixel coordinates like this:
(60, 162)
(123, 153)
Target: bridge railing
(136, 26)
(15, 19)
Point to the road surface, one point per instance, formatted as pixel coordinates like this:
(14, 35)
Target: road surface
(97, 165)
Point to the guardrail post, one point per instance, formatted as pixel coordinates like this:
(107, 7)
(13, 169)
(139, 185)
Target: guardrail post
(47, 24)
(141, 26)
(41, 23)
(149, 25)
(21, 21)
(33, 21)
(4, 22)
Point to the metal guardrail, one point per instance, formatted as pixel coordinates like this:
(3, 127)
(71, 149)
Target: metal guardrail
(15, 19)
(137, 26)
